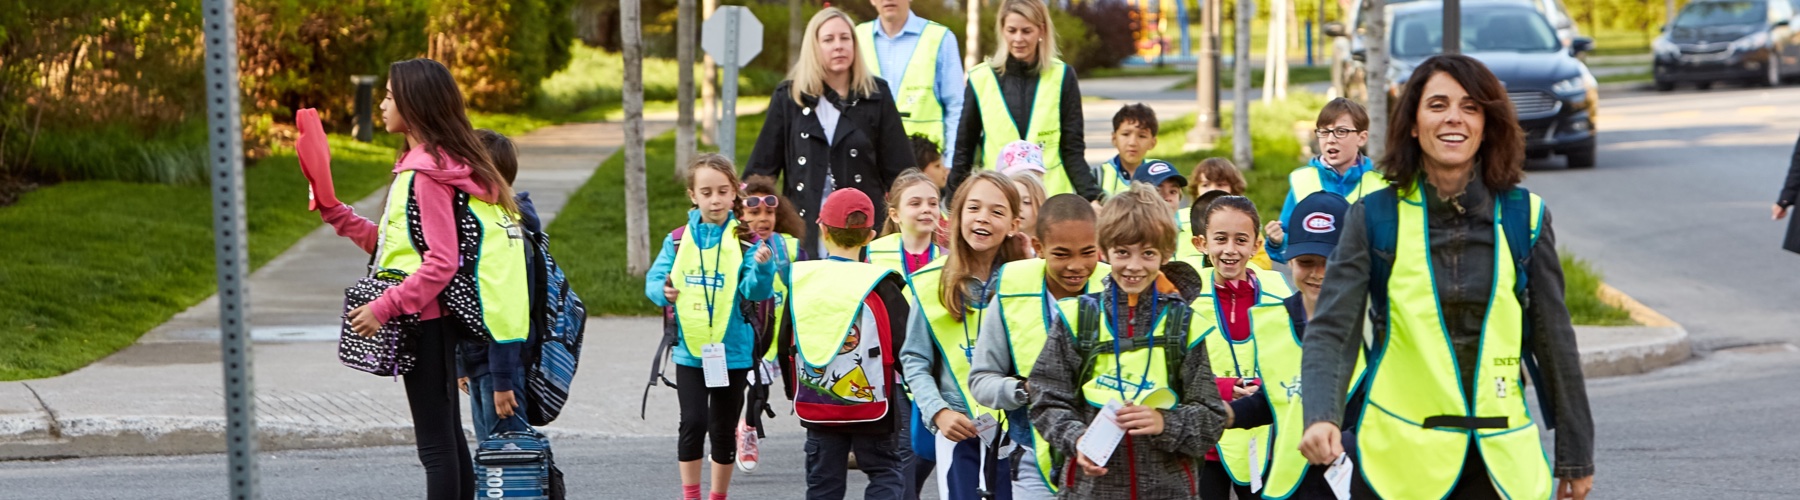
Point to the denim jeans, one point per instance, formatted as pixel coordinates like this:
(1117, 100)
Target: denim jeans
(481, 408)
(878, 455)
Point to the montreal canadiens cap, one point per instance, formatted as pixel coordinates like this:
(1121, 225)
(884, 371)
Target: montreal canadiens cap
(1313, 227)
(844, 202)
(1154, 172)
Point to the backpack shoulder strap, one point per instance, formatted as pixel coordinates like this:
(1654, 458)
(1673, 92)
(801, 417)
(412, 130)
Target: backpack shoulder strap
(1174, 341)
(1087, 335)
(1521, 219)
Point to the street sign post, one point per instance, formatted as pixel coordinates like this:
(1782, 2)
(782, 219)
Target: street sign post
(732, 36)
(230, 257)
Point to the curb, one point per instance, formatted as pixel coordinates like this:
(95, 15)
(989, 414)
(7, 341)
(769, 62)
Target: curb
(1630, 350)
(191, 436)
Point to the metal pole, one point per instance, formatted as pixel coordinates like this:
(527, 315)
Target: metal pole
(687, 18)
(728, 102)
(1452, 26)
(226, 147)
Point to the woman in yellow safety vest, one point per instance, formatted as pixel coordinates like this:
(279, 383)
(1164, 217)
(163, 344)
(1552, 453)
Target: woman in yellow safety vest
(1458, 266)
(1024, 92)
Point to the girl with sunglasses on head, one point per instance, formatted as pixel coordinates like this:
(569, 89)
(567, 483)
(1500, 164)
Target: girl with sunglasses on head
(767, 216)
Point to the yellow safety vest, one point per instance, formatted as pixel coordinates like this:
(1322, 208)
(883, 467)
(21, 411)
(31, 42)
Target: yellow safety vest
(502, 276)
(1026, 310)
(1140, 376)
(707, 303)
(1306, 181)
(1045, 129)
(1269, 322)
(916, 94)
(1278, 356)
(890, 252)
(1113, 177)
(955, 340)
(842, 372)
(1405, 447)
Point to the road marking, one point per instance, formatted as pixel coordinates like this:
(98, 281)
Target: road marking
(1693, 113)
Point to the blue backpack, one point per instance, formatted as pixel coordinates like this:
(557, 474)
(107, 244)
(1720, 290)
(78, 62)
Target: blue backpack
(557, 322)
(1381, 215)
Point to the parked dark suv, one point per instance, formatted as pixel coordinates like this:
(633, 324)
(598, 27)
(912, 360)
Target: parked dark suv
(1552, 92)
(1737, 40)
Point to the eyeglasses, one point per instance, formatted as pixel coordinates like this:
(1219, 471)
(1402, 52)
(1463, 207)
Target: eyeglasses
(759, 201)
(1339, 132)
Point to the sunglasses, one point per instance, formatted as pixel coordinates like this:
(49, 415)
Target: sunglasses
(762, 201)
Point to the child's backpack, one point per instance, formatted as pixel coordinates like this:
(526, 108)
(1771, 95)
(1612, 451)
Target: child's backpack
(517, 464)
(558, 321)
(855, 385)
(1173, 338)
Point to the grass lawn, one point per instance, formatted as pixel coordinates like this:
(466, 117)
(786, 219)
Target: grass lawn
(594, 221)
(1581, 287)
(1634, 76)
(1614, 42)
(107, 261)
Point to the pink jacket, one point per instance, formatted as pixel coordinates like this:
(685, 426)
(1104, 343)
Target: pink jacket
(435, 189)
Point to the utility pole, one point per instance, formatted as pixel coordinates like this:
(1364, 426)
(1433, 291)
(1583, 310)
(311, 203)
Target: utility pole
(1376, 78)
(1206, 87)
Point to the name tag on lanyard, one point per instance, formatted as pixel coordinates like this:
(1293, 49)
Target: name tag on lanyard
(712, 361)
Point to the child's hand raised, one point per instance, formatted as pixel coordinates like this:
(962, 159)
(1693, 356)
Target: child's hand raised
(763, 253)
(1276, 236)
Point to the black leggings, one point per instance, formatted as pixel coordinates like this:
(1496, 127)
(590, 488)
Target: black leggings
(1215, 484)
(437, 416)
(707, 411)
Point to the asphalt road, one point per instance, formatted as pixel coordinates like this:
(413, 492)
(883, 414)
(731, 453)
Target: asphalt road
(1676, 214)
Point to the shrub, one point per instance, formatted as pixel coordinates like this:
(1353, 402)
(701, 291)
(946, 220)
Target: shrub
(499, 50)
(1109, 39)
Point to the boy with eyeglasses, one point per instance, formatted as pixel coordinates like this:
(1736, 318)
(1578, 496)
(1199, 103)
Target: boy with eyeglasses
(1339, 168)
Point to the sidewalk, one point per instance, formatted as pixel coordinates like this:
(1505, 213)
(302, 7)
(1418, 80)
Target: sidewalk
(163, 394)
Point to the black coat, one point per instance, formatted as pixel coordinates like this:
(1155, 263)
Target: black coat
(869, 150)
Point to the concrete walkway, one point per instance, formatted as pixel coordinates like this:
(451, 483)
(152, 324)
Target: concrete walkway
(163, 394)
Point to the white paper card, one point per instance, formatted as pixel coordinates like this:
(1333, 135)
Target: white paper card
(1103, 434)
(712, 361)
(1256, 466)
(985, 426)
(1338, 476)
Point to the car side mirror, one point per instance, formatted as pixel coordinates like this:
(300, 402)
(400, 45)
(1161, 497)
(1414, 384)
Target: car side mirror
(1333, 29)
(1360, 55)
(1782, 23)
(1581, 45)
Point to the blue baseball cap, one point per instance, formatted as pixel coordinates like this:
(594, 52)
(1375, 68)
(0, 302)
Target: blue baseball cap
(1313, 227)
(1154, 172)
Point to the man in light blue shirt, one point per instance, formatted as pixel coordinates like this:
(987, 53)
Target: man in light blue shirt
(923, 69)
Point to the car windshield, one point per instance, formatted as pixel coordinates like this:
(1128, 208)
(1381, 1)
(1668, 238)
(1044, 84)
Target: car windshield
(1703, 14)
(1506, 29)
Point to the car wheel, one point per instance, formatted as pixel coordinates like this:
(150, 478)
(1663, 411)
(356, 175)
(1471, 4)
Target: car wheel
(1703, 85)
(1773, 78)
(1664, 86)
(1583, 158)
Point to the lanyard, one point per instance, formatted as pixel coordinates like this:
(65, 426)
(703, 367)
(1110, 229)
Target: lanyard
(707, 288)
(1119, 367)
(979, 305)
(1219, 316)
(931, 250)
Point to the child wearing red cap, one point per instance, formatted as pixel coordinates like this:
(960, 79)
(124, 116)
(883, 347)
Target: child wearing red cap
(849, 319)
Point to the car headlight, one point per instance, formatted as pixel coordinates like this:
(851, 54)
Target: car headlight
(1573, 85)
(1751, 42)
(1661, 46)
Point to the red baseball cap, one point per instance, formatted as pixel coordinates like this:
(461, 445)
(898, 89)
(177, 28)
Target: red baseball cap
(844, 202)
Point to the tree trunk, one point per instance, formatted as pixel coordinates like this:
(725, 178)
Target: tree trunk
(1206, 88)
(796, 32)
(637, 203)
(685, 26)
(1376, 75)
(1272, 52)
(709, 85)
(972, 44)
(1240, 115)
